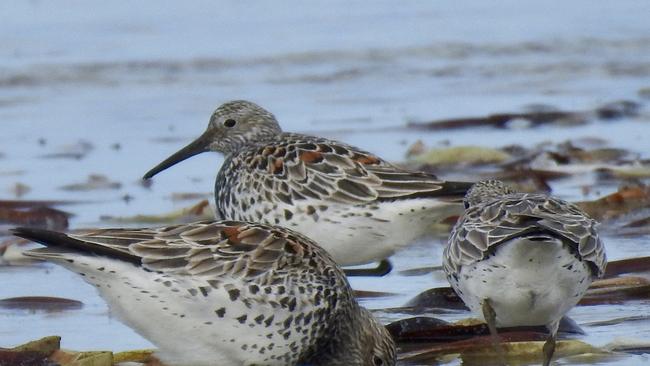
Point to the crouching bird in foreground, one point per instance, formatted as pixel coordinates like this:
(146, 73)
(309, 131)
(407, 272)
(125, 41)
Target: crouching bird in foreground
(224, 293)
(522, 259)
(357, 206)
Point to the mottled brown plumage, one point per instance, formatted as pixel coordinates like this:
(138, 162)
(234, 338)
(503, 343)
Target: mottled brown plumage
(352, 202)
(521, 259)
(224, 293)
(496, 214)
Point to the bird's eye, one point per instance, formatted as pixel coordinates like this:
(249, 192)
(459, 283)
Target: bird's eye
(377, 361)
(230, 123)
(466, 204)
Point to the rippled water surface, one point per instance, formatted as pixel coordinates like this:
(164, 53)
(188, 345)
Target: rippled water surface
(127, 83)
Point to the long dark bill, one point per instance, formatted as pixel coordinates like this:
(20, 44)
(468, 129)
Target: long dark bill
(196, 147)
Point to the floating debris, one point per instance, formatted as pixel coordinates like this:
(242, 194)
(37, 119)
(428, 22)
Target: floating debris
(439, 297)
(532, 169)
(40, 303)
(630, 346)
(502, 120)
(432, 330)
(629, 265)
(616, 294)
(187, 196)
(420, 271)
(92, 358)
(76, 151)
(636, 228)
(618, 109)
(625, 281)
(402, 329)
(417, 148)
(140, 356)
(94, 182)
(19, 189)
(615, 205)
(33, 216)
(197, 212)
(644, 93)
(567, 152)
(615, 321)
(372, 294)
(127, 198)
(535, 117)
(15, 204)
(34, 353)
(462, 155)
(47, 352)
(480, 351)
(637, 170)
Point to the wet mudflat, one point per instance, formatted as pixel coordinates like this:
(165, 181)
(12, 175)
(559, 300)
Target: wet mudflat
(550, 99)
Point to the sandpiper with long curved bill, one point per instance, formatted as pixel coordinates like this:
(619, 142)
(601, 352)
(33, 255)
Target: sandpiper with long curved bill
(360, 208)
(521, 259)
(224, 293)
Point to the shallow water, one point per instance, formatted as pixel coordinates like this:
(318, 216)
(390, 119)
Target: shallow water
(134, 74)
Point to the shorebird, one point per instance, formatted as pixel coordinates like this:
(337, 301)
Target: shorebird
(522, 259)
(224, 293)
(360, 208)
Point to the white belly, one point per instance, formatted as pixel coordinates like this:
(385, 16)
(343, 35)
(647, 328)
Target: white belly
(527, 282)
(362, 234)
(186, 326)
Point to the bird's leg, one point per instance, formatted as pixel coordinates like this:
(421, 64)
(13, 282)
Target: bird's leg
(549, 345)
(382, 269)
(491, 319)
